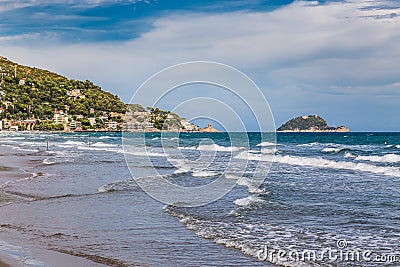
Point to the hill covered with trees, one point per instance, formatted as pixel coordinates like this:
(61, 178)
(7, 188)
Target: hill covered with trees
(311, 123)
(28, 92)
(37, 99)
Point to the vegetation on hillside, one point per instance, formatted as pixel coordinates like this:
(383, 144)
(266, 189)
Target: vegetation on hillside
(304, 123)
(27, 92)
(164, 120)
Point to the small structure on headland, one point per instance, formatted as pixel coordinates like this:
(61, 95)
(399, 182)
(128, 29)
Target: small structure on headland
(209, 129)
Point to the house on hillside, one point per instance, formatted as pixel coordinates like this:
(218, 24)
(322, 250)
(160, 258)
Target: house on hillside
(22, 81)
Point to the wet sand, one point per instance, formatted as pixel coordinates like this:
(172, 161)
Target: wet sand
(15, 165)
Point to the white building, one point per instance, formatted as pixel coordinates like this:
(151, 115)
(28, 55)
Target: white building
(92, 121)
(112, 125)
(22, 81)
(59, 117)
(188, 126)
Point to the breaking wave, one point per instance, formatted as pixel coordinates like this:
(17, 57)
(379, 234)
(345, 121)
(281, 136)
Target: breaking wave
(266, 144)
(388, 158)
(248, 201)
(322, 163)
(205, 174)
(215, 147)
(332, 150)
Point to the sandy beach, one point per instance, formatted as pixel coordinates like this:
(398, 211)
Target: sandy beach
(17, 165)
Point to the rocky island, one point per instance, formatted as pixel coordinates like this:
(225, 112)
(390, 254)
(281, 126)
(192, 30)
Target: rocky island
(311, 123)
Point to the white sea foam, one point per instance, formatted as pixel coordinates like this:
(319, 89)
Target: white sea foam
(16, 138)
(309, 144)
(205, 174)
(252, 187)
(331, 150)
(398, 146)
(182, 170)
(266, 150)
(48, 162)
(266, 144)
(389, 158)
(215, 147)
(187, 147)
(349, 155)
(74, 143)
(19, 254)
(106, 137)
(322, 163)
(142, 153)
(24, 149)
(65, 146)
(247, 201)
(101, 144)
(115, 149)
(155, 138)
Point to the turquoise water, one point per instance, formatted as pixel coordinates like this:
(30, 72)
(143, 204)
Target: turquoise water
(323, 188)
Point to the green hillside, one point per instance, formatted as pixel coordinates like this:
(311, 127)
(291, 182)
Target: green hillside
(304, 123)
(28, 92)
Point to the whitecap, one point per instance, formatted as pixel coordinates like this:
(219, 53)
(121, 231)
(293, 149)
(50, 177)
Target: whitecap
(101, 144)
(388, 158)
(215, 147)
(349, 155)
(205, 174)
(266, 144)
(331, 150)
(48, 162)
(247, 201)
(322, 163)
(74, 143)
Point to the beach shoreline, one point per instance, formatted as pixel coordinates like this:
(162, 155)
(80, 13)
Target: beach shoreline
(16, 165)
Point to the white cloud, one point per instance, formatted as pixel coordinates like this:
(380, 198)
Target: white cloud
(294, 51)
(6, 5)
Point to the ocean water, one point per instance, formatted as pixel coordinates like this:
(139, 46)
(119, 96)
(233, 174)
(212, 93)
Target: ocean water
(333, 194)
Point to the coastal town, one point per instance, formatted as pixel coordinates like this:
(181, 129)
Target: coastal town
(32, 99)
(133, 120)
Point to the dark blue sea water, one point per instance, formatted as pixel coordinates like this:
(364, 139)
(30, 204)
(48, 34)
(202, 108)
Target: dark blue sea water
(323, 192)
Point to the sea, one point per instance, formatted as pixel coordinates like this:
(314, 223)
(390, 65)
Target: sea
(298, 199)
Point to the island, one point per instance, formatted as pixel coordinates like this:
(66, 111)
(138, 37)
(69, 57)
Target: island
(311, 123)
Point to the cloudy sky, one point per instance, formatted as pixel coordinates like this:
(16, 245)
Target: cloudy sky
(337, 59)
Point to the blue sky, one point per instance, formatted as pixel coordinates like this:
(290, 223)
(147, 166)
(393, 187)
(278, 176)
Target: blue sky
(337, 59)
